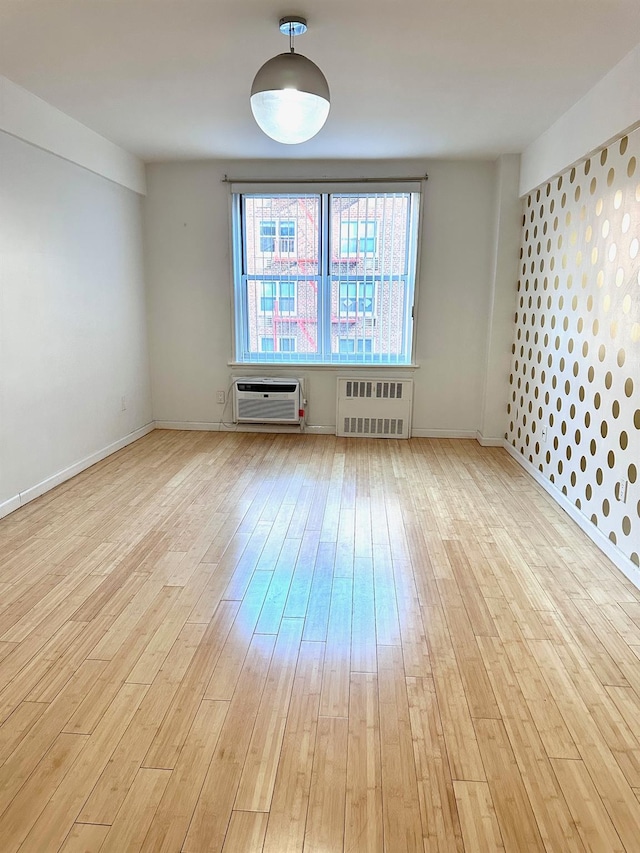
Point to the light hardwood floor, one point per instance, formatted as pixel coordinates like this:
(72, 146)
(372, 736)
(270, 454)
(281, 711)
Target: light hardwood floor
(243, 643)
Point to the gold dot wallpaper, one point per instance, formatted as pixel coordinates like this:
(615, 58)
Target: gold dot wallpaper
(574, 396)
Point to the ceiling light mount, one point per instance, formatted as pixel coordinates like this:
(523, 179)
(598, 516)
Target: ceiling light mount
(290, 94)
(293, 25)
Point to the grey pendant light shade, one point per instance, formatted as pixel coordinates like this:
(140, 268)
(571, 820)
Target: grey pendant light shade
(290, 98)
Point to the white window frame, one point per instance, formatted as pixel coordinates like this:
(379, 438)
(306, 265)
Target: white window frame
(327, 277)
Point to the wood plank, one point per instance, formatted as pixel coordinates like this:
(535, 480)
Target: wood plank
(513, 810)
(288, 813)
(216, 798)
(363, 818)
(400, 803)
(170, 736)
(588, 811)
(85, 838)
(480, 830)
(326, 810)
(334, 699)
(440, 821)
(28, 804)
(175, 810)
(246, 832)
(133, 820)
(258, 775)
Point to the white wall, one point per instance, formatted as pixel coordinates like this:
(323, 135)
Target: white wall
(189, 280)
(609, 109)
(27, 117)
(72, 316)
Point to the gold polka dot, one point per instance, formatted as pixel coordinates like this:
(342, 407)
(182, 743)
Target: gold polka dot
(636, 419)
(613, 251)
(626, 304)
(623, 144)
(626, 525)
(623, 440)
(621, 357)
(628, 387)
(633, 248)
(603, 156)
(617, 199)
(611, 176)
(635, 332)
(631, 167)
(619, 277)
(606, 227)
(600, 204)
(626, 222)
(632, 473)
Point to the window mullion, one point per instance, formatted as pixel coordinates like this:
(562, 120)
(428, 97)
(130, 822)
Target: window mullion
(324, 289)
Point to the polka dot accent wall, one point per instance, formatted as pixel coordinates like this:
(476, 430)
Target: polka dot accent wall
(574, 396)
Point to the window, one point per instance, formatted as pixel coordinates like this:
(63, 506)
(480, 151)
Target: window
(267, 236)
(358, 238)
(284, 345)
(287, 236)
(278, 297)
(278, 235)
(324, 277)
(356, 297)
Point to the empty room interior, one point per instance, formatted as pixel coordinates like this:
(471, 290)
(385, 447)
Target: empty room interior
(319, 426)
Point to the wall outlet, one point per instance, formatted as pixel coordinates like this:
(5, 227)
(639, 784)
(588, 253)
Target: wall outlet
(621, 491)
(220, 397)
(123, 403)
(544, 433)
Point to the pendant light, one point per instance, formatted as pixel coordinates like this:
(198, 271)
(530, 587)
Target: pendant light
(290, 94)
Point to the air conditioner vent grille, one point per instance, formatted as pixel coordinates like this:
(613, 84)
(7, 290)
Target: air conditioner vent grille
(379, 389)
(380, 408)
(378, 427)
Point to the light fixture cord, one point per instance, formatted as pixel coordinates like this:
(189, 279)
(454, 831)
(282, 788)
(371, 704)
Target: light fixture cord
(291, 37)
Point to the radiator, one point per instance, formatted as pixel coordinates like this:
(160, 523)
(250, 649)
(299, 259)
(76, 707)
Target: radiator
(260, 400)
(377, 408)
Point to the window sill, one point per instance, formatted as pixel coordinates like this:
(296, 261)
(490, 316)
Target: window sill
(304, 366)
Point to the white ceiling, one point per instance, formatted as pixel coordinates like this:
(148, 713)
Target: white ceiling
(170, 79)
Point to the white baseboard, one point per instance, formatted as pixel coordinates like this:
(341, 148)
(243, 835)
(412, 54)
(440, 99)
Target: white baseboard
(67, 473)
(486, 441)
(9, 505)
(620, 560)
(189, 425)
(443, 433)
(230, 427)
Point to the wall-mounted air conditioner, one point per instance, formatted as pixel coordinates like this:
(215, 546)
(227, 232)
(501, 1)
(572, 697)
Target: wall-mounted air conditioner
(260, 400)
